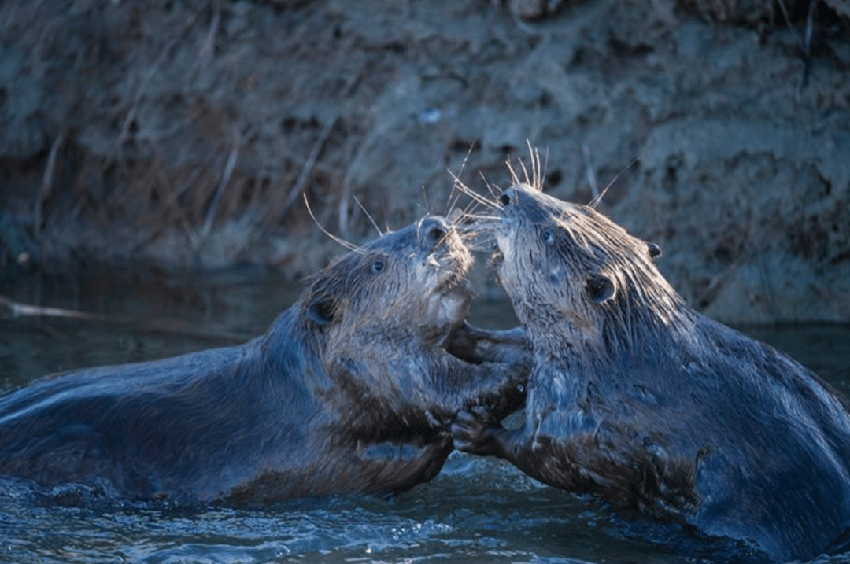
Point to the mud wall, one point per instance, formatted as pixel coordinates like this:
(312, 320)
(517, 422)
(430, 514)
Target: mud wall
(187, 133)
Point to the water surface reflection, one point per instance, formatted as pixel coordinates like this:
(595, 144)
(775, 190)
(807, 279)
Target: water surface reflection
(476, 510)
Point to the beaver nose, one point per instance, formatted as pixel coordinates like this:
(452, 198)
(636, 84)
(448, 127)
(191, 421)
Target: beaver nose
(508, 197)
(431, 231)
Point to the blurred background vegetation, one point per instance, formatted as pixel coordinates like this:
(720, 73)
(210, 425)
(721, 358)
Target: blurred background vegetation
(186, 133)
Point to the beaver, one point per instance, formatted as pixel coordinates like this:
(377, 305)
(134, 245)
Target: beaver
(351, 389)
(639, 399)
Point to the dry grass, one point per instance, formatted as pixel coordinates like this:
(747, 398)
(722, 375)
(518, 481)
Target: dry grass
(172, 141)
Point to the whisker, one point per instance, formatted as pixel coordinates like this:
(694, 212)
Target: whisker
(483, 246)
(484, 217)
(425, 197)
(461, 187)
(458, 187)
(372, 221)
(454, 218)
(595, 202)
(479, 226)
(476, 201)
(425, 211)
(468, 211)
(454, 195)
(534, 156)
(514, 177)
(490, 186)
(478, 235)
(348, 245)
(591, 175)
(457, 176)
(476, 221)
(471, 206)
(525, 170)
(543, 170)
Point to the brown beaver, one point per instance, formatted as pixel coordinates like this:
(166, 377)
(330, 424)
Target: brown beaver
(350, 390)
(638, 398)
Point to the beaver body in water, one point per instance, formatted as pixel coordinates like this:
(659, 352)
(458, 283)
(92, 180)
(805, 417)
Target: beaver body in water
(637, 398)
(348, 391)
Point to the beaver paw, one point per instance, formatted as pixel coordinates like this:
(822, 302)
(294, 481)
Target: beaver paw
(510, 398)
(473, 431)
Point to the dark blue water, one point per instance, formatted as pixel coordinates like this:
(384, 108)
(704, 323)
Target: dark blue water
(476, 510)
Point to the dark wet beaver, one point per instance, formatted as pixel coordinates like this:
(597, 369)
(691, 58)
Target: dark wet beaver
(637, 398)
(346, 392)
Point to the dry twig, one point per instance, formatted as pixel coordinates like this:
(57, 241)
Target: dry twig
(14, 310)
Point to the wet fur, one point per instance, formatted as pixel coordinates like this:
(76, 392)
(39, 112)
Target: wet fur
(637, 398)
(348, 391)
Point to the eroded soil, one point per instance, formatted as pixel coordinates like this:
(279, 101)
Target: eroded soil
(187, 133)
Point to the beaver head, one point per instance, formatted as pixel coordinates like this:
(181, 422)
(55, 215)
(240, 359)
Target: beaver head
(574, 275)
(409, 282)
(385, 321)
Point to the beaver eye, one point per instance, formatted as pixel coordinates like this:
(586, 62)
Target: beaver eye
(436, 233)
(654, 250)
(599, 288)
(505, 199)
(377, 265)
(547, 236)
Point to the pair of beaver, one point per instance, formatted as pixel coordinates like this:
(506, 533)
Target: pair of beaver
(371, 378)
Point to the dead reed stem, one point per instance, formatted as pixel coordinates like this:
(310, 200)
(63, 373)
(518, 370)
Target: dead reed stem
(46, 185)
(15, 310)
(307, 169)
(225, 180)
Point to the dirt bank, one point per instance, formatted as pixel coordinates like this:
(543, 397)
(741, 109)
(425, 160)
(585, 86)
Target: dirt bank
(186, 132)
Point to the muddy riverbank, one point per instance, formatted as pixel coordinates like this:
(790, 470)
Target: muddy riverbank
(187, 133)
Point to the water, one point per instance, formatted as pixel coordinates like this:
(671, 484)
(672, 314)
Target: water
(476, 510)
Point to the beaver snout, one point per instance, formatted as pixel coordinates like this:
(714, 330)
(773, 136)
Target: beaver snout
(432, 230)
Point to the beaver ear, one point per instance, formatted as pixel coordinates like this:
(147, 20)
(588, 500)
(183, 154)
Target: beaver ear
(599, 288)
(320, 310)
(654, 250)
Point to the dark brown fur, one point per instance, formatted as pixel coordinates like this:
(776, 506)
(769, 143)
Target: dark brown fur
(636, 397)
(346, 392)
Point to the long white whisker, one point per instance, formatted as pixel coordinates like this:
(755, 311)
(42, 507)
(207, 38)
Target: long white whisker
(470, 208)
(454, 195)
(456, 176)
(514, 177)
(490, 186)
(425, 197)
(595, 202)
(348, 245)
(375, 225)
(461, 187)
(545, 168)
(525, 170)
(488, 217)
(534, 156)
